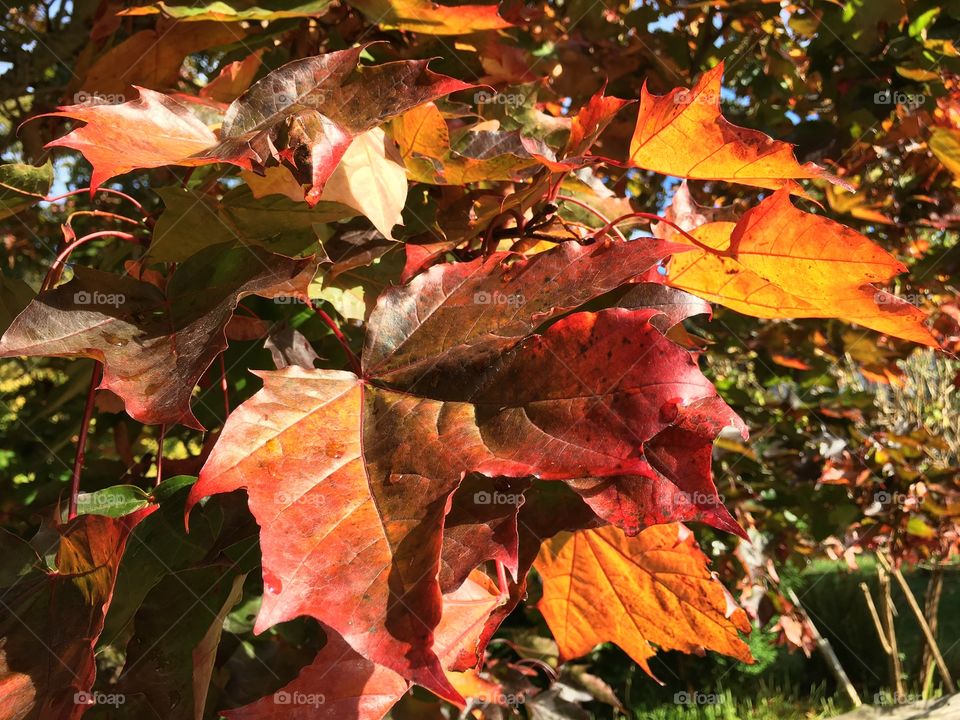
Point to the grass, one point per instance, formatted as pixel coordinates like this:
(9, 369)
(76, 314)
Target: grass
(771, 705)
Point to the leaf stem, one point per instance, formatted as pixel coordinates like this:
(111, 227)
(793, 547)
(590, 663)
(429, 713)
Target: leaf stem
(82, 439)
(502, 579)
(53, 274)
(341, 338)
(659, 218)
(148, 218)
(597, 213)
(224, 387)
(163, 435)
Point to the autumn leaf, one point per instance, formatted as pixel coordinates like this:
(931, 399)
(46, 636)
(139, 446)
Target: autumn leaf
(152, 131)
(666, 125)
(431, 18)
(333, 102)
(191, 223)
(585, 128)
(644, 593)
(778, 261)
(345, 685)
(371, 179)
(223, 12)
(461, 313)
(170, 658)
(425, 146)
(155, 344)
(389, 460)
(54, 618)
(142, 60)
(945, 144)
(233, 78)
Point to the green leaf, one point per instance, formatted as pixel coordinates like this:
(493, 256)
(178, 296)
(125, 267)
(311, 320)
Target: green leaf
(191, 223)
(115, 501)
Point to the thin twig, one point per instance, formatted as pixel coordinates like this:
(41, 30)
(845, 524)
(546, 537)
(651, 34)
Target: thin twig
(224, 387)
(921, 620)
(659, 218)
(148, 218)
(341, 338)
(163, 435)
(53, 274)
(603, 218)
(82, 440)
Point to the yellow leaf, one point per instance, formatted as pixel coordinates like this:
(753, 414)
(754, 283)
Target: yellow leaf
(371, 179)
(638, 592)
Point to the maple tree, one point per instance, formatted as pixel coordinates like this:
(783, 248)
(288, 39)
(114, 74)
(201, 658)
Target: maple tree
(457, 311)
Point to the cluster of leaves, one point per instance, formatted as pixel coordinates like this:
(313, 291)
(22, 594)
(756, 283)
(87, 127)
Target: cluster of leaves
(509, 361)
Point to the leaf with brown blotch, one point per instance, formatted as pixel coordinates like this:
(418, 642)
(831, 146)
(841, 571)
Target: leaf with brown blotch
(778, 261)
(152, 131)
(645, 592)
(431, 18)
(52, 619)
(684, 134)
(155, 344)
(383, 460)
(458, 313)
(346, 686)
(331, 101)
